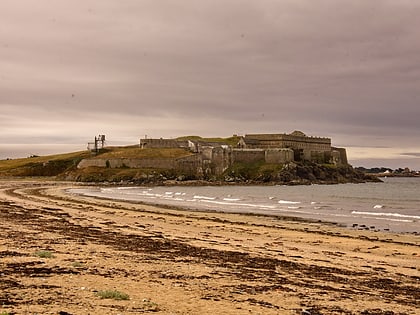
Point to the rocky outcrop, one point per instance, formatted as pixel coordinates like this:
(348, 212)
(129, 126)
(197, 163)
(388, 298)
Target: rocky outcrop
(293, 173)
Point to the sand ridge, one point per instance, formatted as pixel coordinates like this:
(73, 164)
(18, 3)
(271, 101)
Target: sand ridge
(184, 262)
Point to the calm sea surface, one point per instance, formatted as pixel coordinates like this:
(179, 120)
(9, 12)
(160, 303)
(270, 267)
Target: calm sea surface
(393, 205)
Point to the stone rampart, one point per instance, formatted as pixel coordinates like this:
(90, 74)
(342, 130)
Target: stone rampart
(130, 163)
(91, 163)
(248, 155)
(159, 143)
(222, 158)
(342, 155)
(190, 164)
(279, 156)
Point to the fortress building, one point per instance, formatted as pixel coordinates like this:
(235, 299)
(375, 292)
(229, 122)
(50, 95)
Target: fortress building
(305, 148)
(215, 157)
(296, 140)
(270, 148)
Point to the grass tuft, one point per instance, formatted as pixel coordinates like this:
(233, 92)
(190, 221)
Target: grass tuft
(113, 294)
(44, 254)
(78, 264)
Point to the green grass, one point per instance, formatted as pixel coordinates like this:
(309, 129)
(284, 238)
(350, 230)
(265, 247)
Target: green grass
(44, 254)
(130, 152)
(246, 170)
(16, 163)
(112, 294)
(54, 165)
(254, 170)
(233, 141)
(150, 306)
(78, 264)
(50, 165)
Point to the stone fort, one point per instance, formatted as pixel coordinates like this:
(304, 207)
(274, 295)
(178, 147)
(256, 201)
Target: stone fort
(305, 148)
(269, 148)
(215, 157)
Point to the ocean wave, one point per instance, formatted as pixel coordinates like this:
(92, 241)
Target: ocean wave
(204, 197)
(288, 202)
(387, 214)
(226, 203)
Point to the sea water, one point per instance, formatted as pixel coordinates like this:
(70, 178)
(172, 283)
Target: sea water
(393, 205)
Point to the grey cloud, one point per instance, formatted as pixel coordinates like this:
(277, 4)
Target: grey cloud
(347, 70)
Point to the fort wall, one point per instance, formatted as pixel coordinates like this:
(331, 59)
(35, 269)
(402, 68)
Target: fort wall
(296, 140)
(91, 163)
(222, 159)
(279, 156)
(130, 163)
(160, 143)
(248, 155)
(342, 155)
(189, 164)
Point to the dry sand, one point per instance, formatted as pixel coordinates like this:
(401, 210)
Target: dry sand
(183, 262)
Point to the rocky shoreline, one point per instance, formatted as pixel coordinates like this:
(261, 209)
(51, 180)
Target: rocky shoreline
(290, 174)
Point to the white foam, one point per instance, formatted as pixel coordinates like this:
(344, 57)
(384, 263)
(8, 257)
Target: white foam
(289, 202)
(386, 214)
(204, 197)
(250, 205)
(125, 188)
(231, 199)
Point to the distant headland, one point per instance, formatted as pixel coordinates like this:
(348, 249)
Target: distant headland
(388, 172)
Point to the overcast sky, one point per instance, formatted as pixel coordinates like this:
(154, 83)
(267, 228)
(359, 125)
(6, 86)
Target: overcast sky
(348, 70)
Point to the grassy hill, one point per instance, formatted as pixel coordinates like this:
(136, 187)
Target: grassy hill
(53, 165)
(50, 165)
(64, 166)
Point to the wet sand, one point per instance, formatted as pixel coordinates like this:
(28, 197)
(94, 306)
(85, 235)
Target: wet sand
(181, 262)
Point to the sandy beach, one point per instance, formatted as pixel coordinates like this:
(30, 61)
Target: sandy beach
(60, 252)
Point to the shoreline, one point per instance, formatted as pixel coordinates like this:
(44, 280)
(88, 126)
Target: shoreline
(345, 217)
(183, 262)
